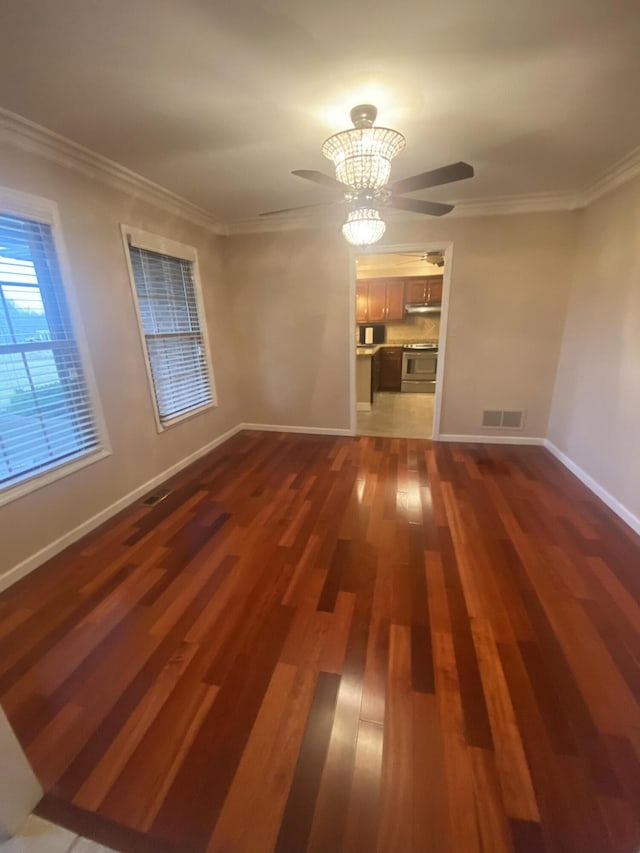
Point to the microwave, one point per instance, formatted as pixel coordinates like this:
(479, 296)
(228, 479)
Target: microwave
(369, 335)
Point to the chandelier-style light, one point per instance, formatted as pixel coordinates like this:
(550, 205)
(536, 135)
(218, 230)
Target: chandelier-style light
(362, 159)
(363, 226)
(362, 156)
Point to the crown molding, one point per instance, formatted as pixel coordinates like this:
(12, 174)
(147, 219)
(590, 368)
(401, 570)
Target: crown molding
(615, 176)
(619, 173)
(499, 206)
(508, 204)
(29, 136)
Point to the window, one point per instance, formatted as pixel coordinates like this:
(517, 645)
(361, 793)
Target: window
(167, 295)
(46, 414)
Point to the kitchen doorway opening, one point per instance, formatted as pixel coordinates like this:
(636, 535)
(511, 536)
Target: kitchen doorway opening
(401, 301)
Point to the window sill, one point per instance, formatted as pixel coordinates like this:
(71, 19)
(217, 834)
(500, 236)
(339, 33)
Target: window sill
(162, 427)
(29, 484)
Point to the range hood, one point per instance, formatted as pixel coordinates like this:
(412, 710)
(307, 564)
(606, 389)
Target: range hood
(423, 309)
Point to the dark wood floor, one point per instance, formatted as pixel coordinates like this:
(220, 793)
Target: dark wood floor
(341, 645)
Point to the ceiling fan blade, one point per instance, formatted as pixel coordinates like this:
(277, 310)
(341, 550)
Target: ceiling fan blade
(434, 178)
(432, 208)
(324, 180)
(292, 209)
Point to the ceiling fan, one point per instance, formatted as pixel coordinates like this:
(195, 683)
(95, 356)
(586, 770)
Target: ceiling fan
(362, 158)
(435, 258)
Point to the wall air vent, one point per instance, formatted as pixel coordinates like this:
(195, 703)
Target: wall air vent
(156, 497)
(491, 418)
(503, 419)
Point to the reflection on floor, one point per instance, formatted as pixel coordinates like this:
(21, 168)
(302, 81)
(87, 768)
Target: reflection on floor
(398, 415)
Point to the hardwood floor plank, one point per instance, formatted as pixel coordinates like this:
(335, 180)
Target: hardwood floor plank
(252, 812)
(513, 771)
(429, 819)
(527, 836)
(333, 796)
(322, 643)
(474, 705)
(374, 684)
(332, 584)
(11, 619)
(193, 803)
(364, 801)
(493, 821)
(554, 715)
(396, 816)
(43, 752)
(151, 771)
(463, 829)
(299, 809)
(112, 762)
(565, 786)
(338, 629)
(422, 676)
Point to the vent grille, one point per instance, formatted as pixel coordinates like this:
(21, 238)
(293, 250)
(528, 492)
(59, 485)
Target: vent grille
(503, 419)
(156, 497)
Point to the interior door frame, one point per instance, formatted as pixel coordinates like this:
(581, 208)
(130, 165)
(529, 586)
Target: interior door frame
(440, 245)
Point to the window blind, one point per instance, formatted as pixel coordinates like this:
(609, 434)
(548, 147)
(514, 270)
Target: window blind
(168, 308)
(45, 409)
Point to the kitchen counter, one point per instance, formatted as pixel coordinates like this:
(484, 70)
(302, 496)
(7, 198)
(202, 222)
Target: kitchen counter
(370, 351)
(364, 377)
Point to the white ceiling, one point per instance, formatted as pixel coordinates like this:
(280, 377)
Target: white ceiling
(218, 100)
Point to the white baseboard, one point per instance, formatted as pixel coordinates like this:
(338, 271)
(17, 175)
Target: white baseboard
(16, 572)
(493, 439)
(363, 407)
(606, 497)
(303, 429)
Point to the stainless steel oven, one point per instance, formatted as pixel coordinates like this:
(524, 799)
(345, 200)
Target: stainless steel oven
(419, 367)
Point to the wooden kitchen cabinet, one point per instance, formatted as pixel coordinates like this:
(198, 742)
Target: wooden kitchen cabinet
(380, 300)
(416, 290)
(434, 290)
(390, 368)
(395, 300)
(424, 291)
(377, 305)
(362, 298)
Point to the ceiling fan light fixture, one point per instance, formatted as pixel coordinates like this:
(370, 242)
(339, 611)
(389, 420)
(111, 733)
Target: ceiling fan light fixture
(363, 227)
(362, 159)
(362, 156)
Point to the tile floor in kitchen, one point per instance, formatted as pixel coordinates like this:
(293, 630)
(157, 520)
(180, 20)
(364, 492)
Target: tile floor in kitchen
(398, 415)
(39, 836)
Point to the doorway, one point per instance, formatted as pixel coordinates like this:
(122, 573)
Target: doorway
(401, 299)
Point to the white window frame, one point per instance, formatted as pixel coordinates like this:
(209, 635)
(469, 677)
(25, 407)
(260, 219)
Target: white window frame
(140, 239)
(27, 206)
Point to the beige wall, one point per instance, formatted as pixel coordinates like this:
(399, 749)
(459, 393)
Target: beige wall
(596, 408)
(509, 287)
(510, 284)
(292, 300)
(91, 213)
